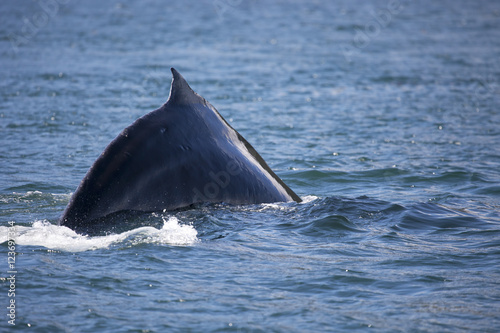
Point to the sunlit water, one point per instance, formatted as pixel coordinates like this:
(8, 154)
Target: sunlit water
(383, 116)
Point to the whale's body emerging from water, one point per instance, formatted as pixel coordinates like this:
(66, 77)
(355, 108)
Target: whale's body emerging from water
(180, 154)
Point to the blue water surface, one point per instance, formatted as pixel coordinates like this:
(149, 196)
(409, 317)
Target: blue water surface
(382, 115)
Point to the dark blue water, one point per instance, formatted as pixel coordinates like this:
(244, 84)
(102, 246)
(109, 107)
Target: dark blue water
(383, 116)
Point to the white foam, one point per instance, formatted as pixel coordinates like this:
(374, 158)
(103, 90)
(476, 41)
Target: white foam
(308, 198)
(274, 206)
(55, 237)
(284, 207)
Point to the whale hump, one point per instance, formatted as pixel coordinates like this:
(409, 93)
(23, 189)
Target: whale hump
(181, 154)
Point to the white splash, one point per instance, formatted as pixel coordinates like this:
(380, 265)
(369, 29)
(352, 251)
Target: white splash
(284, 207)
(308, 198)
(55, 237)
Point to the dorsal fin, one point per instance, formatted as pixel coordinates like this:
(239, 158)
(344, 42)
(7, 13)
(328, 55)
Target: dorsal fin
(180, 91)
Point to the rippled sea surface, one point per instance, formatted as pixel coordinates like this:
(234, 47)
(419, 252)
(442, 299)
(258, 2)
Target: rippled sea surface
(384, 116)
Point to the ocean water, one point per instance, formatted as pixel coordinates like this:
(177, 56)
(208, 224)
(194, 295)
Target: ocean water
(382, 115)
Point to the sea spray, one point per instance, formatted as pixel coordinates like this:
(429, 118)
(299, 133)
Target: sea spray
(54, 237)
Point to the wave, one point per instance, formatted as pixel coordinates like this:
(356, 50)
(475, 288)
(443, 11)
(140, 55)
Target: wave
(54, 237)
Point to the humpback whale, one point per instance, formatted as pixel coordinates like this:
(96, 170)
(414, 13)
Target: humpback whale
(181, 154)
